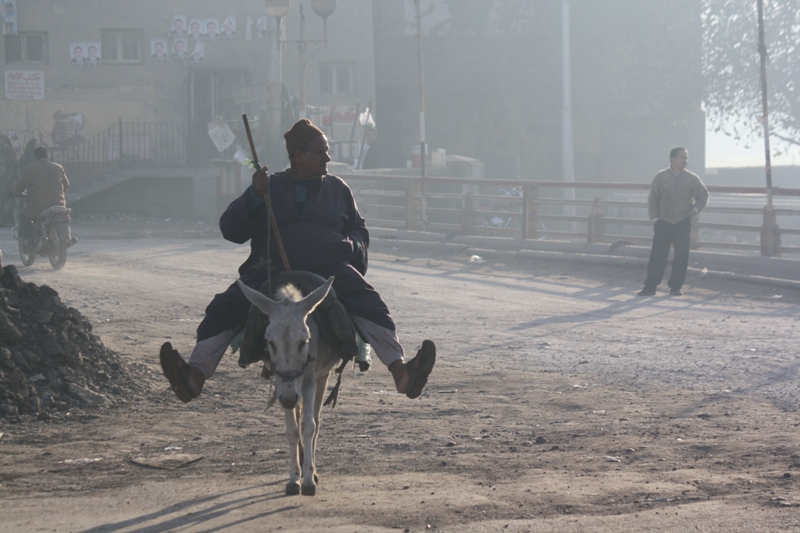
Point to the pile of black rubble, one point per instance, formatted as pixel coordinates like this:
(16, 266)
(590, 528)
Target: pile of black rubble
(50, 361)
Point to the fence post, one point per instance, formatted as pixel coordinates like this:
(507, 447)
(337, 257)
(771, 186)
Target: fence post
(120, 140)
(467, 214)
(595, 226)
(770, 234)
(413, 205)
(530, 210)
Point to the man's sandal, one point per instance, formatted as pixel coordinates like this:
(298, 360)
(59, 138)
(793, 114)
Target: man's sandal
(420, 368)
(177, 372)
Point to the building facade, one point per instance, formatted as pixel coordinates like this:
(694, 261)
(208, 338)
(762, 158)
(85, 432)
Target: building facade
(75, 69)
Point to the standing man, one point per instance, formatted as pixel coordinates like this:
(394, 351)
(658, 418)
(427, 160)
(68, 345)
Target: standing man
(9, 176)
(676, 196)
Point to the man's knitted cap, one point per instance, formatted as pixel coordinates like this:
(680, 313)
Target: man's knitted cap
(302, 133)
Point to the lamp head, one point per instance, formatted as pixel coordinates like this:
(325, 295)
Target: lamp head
(323, 8)
(276, 8)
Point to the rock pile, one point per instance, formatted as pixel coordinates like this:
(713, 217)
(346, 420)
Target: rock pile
(50, 361)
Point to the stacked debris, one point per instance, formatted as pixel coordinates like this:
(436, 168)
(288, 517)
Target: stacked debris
(50, 361)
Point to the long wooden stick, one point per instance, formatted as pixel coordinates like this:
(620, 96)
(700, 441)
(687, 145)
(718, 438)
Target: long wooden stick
(272, 222)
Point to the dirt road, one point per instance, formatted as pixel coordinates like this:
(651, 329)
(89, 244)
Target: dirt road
(560, 402)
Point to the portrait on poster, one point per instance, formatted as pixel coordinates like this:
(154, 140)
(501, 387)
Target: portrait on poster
(196, 29)
(178, 28)
(228, 29)
(179, 50)
(212, 29)
(9, 8)
(198, 53)
(85, 53)
(92, 58)
(158, 49)
(261, 24)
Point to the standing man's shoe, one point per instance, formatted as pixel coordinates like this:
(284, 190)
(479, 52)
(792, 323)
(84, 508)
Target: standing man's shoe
(646, 292)
(675, 292)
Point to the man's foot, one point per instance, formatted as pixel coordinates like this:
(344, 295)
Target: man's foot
(646, 292)
(675, 292)
(177, 371)
(420, 368)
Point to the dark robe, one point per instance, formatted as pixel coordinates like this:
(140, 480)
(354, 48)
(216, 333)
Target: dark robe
(327, 236)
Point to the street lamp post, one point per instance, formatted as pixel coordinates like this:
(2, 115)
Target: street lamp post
(769, 240)
(276, 9)
(422, 143)
(324, 9)
(273, 125)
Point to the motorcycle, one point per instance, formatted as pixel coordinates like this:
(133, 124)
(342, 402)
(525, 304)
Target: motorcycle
(513, 208)
(51, 235)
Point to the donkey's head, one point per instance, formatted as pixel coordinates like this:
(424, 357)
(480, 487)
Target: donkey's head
(288, 337)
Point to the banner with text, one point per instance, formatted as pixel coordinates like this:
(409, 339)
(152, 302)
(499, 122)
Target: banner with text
(24, 85)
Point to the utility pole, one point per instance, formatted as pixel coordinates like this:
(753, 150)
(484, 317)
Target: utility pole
(567, 159)
(769, 242)
(422, 146)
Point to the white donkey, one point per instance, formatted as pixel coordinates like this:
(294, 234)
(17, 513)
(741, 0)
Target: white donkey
(301, 363)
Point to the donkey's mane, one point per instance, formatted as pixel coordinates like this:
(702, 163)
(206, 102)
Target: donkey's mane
(288, 292)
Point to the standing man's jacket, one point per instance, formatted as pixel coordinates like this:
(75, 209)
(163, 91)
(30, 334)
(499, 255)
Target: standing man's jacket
(46, 183)
(675, 198)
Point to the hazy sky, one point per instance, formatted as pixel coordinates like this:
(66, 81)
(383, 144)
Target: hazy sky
(723, 151)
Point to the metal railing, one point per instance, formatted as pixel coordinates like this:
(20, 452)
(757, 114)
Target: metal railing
(125, 144)
(737, 218)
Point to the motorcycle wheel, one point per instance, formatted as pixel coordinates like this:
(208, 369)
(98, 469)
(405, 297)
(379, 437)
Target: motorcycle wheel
(59, 240)
(26, 255)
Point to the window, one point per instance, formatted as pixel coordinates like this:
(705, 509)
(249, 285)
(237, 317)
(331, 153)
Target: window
(121, 46)
(26, 47)
(336, 78)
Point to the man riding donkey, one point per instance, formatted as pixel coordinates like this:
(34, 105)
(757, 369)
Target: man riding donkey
(323, 233)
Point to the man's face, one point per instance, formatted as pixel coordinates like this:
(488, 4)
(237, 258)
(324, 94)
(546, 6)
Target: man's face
(8, 8)
(159, 48)
(680, 161)
(228, 26)
(178, 25)
(92, 52)
(78, 53)
(314, 163)
(212, 28)
(180, 47)
(195, 28)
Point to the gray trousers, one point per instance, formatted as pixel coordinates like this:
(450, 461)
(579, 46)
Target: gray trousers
(207, 353)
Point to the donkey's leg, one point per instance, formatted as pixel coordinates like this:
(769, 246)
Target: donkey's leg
(309, 427)
(322, 382)
(293, 438)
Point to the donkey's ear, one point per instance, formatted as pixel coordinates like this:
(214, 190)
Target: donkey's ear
(310, 302)
(266, 305)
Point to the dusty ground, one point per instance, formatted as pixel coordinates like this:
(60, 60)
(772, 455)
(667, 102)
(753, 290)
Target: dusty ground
(560, 402)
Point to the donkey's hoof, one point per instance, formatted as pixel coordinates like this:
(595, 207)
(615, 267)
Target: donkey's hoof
(309, 490)
(293, 488)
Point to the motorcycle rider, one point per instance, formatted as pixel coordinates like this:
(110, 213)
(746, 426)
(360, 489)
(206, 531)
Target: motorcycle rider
(46, 183)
